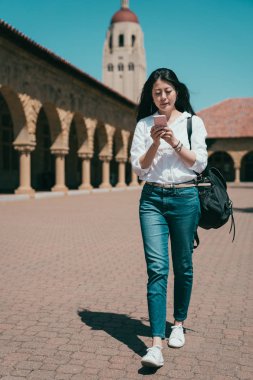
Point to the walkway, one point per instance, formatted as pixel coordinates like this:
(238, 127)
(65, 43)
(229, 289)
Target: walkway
(73, 293)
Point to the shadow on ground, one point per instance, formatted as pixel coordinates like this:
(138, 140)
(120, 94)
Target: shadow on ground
(246, 209)
(123, 328)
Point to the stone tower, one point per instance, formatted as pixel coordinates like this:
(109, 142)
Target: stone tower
(124, 61)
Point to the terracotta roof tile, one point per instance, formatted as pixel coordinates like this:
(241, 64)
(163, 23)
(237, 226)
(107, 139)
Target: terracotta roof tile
(230, 118)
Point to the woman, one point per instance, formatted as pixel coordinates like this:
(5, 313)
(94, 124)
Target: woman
(169, 204)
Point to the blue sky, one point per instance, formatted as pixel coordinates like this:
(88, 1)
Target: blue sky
(208, 43)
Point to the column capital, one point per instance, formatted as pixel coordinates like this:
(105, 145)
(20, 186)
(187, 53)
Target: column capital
(90, 123)
(85, 156)
(121, 159)
(24, 148)
(31, 109)
(110, 130)
(105, 158)
(25, 138)
(65, 118)
(59, 152)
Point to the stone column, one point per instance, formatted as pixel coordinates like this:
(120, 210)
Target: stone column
(237, 157)
(134, 181)
(105, 172)
(122, 172)
(237, 173)
(59, 171)
(24, 170)
(85, 185)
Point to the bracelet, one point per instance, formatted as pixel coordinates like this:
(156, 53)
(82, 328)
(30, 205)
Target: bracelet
(179, 148)
(175, 147)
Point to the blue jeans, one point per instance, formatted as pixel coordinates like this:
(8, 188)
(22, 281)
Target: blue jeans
(164, 213)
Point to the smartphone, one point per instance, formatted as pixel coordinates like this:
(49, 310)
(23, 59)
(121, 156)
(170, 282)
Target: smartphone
(160, 121)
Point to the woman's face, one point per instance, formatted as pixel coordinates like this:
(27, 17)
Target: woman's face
(164, 96)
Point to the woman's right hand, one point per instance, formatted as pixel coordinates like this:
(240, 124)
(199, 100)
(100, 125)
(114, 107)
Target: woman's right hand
(156, 133)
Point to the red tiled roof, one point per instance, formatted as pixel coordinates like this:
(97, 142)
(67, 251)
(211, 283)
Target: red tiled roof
(230, 118)
(27, 43)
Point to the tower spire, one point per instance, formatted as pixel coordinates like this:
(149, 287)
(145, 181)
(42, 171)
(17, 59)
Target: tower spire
(124, 3)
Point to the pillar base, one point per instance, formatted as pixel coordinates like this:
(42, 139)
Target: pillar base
(85, 187)
(105, 186)
(59, 188)
(121, 184)
(134, 183)
(25, 190)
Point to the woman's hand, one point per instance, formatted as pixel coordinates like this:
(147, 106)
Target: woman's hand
(156, 133)
(169, 137)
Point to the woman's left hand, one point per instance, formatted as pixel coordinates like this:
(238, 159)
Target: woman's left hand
(169, 137)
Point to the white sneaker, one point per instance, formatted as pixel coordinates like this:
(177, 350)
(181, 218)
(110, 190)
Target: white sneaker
(153, 357)
(177, 338)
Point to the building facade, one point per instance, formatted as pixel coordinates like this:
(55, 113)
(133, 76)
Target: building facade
(229, 126)
(124, 62)
(60, 128)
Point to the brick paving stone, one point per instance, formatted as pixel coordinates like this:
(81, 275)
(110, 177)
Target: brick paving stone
(84, 376)
(62, 376)
(29, 365)
(5, 370)
(21, 372)
(73, 293)
(223, 377)
(12, 378)
(41, 375)
(89, 371)
(69, 369)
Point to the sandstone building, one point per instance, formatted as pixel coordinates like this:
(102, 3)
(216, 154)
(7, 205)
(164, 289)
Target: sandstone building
(59, 128)
(229, 126)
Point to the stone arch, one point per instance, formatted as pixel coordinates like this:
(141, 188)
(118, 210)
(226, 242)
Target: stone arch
(128, 163)
(225, 163)
(9, 168)
(42, 163)
(117, 148)
(246, 174)
(100, 142)
(55, 127)
(76, 138)
(81, 130)
(16, 109)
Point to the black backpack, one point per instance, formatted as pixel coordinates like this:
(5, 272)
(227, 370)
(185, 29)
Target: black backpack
(216, 206)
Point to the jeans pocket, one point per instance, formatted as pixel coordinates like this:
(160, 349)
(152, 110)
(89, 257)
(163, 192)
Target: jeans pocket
(147, 189)
(187, 192)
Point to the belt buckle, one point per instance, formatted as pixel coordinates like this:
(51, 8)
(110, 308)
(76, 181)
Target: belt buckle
(169, 185)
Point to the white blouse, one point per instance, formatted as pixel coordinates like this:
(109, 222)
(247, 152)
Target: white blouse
(167, 166)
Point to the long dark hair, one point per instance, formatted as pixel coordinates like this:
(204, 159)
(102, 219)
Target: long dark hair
(147, 107)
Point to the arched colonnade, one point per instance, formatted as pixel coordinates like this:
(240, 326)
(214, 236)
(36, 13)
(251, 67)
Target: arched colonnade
(236, 166)
(50, 140)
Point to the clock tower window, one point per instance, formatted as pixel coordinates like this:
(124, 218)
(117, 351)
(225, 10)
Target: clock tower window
(121, 40)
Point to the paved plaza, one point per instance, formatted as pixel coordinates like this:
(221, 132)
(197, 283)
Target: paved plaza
(73, 293)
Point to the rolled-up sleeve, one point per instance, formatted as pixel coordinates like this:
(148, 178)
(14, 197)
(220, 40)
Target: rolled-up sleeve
(198, 144)
(138, 148)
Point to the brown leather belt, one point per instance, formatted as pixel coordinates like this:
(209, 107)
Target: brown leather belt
(175, 185)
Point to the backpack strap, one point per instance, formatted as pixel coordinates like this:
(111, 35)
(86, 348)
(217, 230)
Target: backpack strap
(189, 129)
(189, 133)
(196, 239)
(232, 226)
